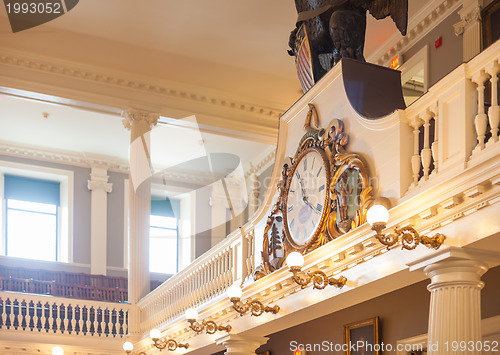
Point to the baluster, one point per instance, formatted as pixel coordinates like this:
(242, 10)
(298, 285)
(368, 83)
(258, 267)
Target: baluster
(112, 318)
(426, 154)
(65, 320)
(103, 320)
(36, 318)
(494, 111)
(415, 159)
(23, 310)
(10, 316)
(31, 315)
(3, 315)
(72, 319)
(15, 313)
(92, 321)
(481, 119)
(84, 314)
(80, 320)
(54, 313)
(435, 145)
(44, 317)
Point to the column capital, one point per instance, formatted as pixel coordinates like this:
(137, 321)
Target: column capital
(99, 179)
(135, 115)
(99, 185)
(237, 344)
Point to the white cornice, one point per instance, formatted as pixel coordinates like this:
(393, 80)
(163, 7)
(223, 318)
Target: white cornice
(125, 80)
(418, 26)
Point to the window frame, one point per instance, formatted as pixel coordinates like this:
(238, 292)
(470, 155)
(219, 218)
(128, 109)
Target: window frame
(64, 211)
(178, 241)
(186, 222)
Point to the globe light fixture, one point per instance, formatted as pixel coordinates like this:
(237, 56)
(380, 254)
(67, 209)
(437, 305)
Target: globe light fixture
(57, 350)
(128, 347)
(378, 216)
(295, 261)
(256, 308)
(210, 326)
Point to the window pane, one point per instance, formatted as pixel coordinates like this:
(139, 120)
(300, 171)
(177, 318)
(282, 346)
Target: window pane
(163, 251)
(163, 222)
(31, 235)
(32, 206)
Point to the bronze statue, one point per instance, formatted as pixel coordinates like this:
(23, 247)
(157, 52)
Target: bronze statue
(328, 30)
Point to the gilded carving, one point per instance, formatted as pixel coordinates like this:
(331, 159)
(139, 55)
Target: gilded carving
(324, 192)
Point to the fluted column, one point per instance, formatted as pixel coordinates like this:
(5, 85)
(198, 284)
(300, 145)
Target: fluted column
(140, 124)
(470, 28)
(237, 344)
(100, 188)
(455, 307)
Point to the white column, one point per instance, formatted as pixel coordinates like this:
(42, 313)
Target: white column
(470, 28)
(455, 307)
(140, 124)
(237, 344)
(100, 188)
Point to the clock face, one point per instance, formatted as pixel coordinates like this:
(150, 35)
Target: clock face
(307, 196)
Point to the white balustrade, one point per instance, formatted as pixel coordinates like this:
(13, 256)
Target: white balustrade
(205, 279)
(457, 107)
(46, 314)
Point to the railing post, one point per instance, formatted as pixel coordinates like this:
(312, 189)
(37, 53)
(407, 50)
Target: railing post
(426, 151)
(494, 111)
(481, 119)
(415, 159)
(435, 144)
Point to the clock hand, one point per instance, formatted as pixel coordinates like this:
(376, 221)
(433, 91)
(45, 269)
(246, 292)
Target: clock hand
(304, 197)
(309, 204)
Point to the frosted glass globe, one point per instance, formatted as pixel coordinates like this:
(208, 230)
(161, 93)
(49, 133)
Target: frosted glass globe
(377, 214)
(295, 259)
(57, 350)
(234, 291)
(191, 314)
(128, 346)
(155, 334)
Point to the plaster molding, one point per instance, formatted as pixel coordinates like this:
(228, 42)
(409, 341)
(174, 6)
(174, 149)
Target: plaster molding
(66, 158)
(262, 165)
(420, 25)
(102, 76)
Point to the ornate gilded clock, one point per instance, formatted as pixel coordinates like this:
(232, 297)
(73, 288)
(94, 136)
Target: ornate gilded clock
(324, 193)
(307, 203)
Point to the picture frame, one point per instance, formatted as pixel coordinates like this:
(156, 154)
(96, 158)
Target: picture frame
(367, 333)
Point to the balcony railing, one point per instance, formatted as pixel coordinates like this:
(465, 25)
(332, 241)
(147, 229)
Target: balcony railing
(65, 284)
(45, 314)
(463, 133)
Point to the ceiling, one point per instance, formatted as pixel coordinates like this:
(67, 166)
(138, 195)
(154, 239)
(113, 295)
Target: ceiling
(232, 46)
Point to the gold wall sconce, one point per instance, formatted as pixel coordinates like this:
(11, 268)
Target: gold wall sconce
(170, 344)
(210, 326)
(256, 307)
(378, 215)
(295, 261)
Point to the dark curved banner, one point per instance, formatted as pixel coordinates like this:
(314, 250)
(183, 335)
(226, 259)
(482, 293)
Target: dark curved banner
(25, 14)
